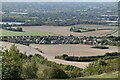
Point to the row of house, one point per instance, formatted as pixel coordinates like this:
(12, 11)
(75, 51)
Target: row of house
(53, 40)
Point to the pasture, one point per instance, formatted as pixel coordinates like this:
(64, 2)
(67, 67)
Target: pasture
(26, 33)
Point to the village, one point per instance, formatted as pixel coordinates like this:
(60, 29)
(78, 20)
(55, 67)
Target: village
(57, 40)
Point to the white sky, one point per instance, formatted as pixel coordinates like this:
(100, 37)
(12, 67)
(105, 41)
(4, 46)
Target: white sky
(59, 0)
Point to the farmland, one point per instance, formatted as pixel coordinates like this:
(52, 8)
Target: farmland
(65, 31)
(27, 33)
(104, 75)
(50, 51)
(74, 50)
(57, 50)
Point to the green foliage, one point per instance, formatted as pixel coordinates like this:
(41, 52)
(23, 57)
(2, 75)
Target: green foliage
(39, 50)
(19, 29)
(27, 33)
(55, 72)
(75, 73)
(88, 29)
(81, 29)
(114, 43)
(11, 64)
(100, 47)
(29, 70)
(106, 56)
(16, 65)
(101, 66)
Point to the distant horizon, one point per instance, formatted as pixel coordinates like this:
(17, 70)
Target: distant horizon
(60, 0)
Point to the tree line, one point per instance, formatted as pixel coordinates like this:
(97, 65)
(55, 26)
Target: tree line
(106, 56)
(19, 29)
(30, 21)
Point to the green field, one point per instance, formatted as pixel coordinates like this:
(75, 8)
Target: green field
(28, 33)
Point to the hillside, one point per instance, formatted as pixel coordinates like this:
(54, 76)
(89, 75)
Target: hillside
(105, 75)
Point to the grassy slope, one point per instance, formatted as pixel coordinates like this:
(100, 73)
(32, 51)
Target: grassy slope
(110, 28)
(13, 33)
(105, 75)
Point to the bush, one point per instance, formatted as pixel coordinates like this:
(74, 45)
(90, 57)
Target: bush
(55, 72)
(29, 70)
(13, 29)
(16, 65)
(100, 47)
(106, 56)
(101, 66)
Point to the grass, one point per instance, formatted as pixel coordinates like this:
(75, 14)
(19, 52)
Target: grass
(100, 47)
(39, 50)
(115, 34)
(105, 75)
(28, 33)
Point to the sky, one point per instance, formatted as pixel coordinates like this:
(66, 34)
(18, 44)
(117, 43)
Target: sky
(59, 0)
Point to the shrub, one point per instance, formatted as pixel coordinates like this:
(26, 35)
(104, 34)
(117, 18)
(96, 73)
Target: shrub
(55, 72)
(106, 56)
(100, 47)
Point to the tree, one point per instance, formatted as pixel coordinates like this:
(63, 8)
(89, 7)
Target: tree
(29, 70)
(19, 29)
(101, 62)
(55, 72)
(11, 64)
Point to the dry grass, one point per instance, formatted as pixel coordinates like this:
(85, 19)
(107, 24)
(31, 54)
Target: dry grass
(51, 51)
(65, 31)
(72, 49)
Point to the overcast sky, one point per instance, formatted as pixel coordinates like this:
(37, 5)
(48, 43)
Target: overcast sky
(59, 0)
